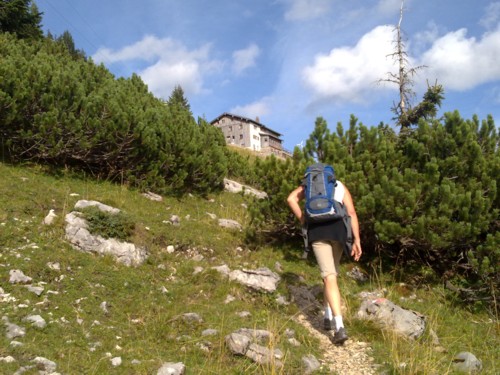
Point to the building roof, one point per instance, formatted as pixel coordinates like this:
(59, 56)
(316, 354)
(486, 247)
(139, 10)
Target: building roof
(246, 119)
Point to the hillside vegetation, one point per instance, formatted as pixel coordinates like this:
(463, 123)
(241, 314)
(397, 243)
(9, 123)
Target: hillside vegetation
(427, 197)
(141, 321)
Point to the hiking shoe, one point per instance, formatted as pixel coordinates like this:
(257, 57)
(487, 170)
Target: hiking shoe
(328, 324)
(340, 336)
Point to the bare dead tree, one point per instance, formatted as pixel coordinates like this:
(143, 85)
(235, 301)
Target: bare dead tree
(404, 76)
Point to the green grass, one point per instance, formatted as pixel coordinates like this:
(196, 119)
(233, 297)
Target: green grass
(145, 304)
(457, 328)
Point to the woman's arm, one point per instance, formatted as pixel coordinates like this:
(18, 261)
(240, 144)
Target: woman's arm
(293, 201)
(351, 211)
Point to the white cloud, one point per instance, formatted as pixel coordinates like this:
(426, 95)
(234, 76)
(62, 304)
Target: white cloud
(421, 41)
(256, 109)
(162, 77)
(171, 64)
(245, 58)
(349, 73)
(491, 18)
(461, 63)
(147, 49)
(307, 9)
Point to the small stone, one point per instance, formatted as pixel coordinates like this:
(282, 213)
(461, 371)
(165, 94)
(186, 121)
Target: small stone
(116, 361)
(467, 362)
(152, 196)
(13, 330)
(36, 320)
(175, 220)
(8, 359)
(172, 369)
(230, 224)
(18, 277)
(192, 317)
(49, 219)
(104, 307)
(311, 364)
(198, 257)
(209, 332)
(244, 314)
(55, 266)
(281, 300)
(238, 343)
(289, 333)
(38, 290)
(49, 366)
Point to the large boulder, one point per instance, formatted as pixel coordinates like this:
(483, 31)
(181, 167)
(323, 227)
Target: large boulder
(262, 279)
(231, 224)
(79, 236)
(393, 317)
(82, 204)
(235, 187)
(246, 342)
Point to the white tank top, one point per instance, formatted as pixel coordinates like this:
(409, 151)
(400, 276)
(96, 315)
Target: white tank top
(339, 192)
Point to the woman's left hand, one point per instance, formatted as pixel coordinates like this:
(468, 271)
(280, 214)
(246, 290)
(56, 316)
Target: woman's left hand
(356, 251)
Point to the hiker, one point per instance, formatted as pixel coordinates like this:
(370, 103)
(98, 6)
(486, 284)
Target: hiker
(328, 240)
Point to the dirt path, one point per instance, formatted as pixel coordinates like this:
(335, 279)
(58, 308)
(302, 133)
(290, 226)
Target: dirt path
(352, 358)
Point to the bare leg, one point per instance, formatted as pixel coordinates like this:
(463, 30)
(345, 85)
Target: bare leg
(328, 322)
(332, 294)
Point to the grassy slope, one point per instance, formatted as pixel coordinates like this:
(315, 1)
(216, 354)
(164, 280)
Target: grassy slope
(143, 322)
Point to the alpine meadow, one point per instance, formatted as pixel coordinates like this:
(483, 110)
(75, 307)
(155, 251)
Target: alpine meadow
(426, 190)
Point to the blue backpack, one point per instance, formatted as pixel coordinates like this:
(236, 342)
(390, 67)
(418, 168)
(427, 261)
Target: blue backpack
(320, 183)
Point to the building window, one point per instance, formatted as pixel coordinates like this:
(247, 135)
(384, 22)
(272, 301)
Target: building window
(241, 136)
(230, 128)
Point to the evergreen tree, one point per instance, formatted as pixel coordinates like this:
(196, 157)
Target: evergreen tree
(21, 17)
(315, 147)
(70, 112)
(271, 220)
(428, 198)
(426, 109)
(177, 99)
(66, 39)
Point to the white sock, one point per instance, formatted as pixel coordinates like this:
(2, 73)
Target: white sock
(328, 313)
(339, 323)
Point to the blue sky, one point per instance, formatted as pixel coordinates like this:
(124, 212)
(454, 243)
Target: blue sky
(288, 62)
